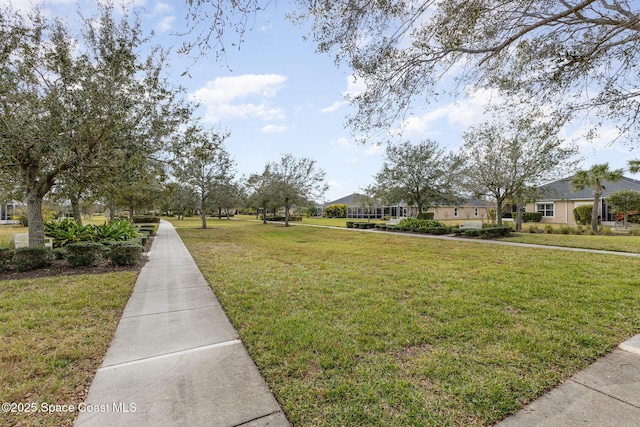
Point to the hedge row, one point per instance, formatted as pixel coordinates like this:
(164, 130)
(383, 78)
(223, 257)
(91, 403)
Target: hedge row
(281, 218)
(485, 233)
(80, 254)
(423, 230)
(361, 225)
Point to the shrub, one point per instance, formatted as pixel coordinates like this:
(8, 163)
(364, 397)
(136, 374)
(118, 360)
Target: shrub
(564, 229)
(281, 218)
(548, 229)
(427, 215)
(84, 254)
(582, 214)
(67, 231)
(492, 232)
(635, 231)
(608, 231)
(531, 216)
(532, 229)
(336, 211)
(31, 258)
(118, 229)
(146, 219)
(5, 257)
(59, 253)
(149, 227)
(361, 225)
(416, 224)
(436, 230)
(125, 253)
(576, 230)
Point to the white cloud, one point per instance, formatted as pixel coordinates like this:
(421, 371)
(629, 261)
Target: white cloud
(224, 96)
(162, 9)
(354, 88)
(333, 107)
(335, 185)
(165, 24)
(374, 150)
(343, 143)
(460, 114)
(275, 128)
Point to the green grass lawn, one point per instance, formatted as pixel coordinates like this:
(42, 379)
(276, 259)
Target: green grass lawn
(330, 222)
(373, 329)
(55, 333)
(619, 243)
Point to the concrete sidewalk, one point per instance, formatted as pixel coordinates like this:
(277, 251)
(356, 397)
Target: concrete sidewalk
(607, 393)
(176, 360)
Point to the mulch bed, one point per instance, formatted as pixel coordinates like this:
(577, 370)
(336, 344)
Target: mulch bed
(62, 268)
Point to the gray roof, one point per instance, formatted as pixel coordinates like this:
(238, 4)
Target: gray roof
(346, 200)
(561, 189)
(351, 200)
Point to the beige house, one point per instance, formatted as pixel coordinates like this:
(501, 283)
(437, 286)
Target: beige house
(557, 200)
(467, 210)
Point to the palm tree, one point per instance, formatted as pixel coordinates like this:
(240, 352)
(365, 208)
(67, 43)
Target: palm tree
(593, 178)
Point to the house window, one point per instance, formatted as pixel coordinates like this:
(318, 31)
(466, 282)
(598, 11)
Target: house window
(455, 211)
(546, 209)
(475, 212)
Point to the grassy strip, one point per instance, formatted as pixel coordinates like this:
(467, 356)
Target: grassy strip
(606, 243)
(372, 329)
(55, 333)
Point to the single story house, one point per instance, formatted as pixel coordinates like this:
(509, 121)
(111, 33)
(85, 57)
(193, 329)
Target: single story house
(356, 208)
(468, 209)
(8, 210)
(557, 200)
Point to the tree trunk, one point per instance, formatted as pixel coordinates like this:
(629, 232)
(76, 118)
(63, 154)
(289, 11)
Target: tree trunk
(112, 210)
(264, 215)
(597, 192)
(36, 222)
(519, 214)
(203, 213)
(131, 209)
(203, 216)
(594, 214)
(286, 212)
(75, 207)
(499, 212)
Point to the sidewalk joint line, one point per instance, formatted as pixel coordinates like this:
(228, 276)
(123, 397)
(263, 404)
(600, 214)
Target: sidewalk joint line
(604, 394)
(172, 354)
(257, 418)
(170, 311)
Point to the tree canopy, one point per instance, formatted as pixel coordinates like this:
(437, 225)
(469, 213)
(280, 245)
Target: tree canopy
(624, 202)
(423, 175)
(594, 178)
(67, 100)
(201, 162)
(504, 160)
(580, 54)
(295, 180)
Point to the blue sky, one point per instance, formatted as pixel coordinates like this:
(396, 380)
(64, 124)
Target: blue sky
(276, 95)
